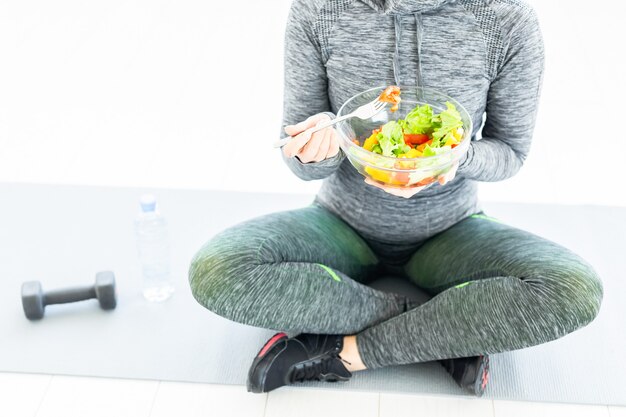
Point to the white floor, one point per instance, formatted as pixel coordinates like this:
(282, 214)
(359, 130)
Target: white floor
(26, 395)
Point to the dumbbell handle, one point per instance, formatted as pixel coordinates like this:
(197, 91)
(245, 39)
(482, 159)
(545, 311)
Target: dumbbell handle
(69, 295)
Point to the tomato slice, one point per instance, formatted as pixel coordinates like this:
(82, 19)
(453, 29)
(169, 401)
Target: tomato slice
(415, 138)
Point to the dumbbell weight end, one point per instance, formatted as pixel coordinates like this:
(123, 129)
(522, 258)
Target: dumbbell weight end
(32, 300)
(105, 290)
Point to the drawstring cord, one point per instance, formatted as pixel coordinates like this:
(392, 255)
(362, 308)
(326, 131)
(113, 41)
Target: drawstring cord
(419, 28)
(396, 56)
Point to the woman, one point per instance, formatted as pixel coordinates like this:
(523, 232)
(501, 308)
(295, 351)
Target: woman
(494, 288)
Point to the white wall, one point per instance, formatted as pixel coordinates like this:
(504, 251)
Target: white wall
(131, 93)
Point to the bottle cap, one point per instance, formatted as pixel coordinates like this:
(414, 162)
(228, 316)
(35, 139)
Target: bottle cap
(148, 203)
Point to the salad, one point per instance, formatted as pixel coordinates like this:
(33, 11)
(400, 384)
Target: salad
(421, 133)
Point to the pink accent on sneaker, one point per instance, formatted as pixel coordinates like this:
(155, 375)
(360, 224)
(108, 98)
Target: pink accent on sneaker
(270, 343)
(485, 378)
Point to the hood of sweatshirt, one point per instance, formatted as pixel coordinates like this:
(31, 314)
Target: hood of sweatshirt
(396, 8)
(403, 6)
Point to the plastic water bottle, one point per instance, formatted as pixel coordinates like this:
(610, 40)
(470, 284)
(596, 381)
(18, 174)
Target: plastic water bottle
(154, 250)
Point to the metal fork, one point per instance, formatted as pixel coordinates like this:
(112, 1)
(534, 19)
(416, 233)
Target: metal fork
(364, 112)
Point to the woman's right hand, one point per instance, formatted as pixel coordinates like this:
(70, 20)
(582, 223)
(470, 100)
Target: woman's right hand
(309, 147)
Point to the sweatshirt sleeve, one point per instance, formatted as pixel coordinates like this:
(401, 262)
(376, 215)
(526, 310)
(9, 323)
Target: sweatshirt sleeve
(306, 85)
(511, 109)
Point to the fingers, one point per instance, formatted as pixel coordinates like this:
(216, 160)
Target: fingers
(374, 183)
(334, 144)
(298, 128)
(454, 171)
(449, 176)
(292, 148)
(322, 153)
(398, 192)
(304, 145)
(406, 193)
(313, 147)
(293, 130)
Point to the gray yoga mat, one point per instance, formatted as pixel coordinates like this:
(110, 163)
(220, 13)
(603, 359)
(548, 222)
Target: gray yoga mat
(63, 235)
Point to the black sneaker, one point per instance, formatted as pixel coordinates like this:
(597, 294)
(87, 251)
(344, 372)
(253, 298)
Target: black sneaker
(283, 361)
(470, 373)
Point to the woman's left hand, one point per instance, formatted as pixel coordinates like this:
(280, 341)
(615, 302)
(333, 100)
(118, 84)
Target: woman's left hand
(410, 192)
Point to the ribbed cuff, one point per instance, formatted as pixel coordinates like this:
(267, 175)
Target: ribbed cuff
(466, 160)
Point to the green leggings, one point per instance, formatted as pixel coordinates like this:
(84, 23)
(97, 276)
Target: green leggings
(494, 287)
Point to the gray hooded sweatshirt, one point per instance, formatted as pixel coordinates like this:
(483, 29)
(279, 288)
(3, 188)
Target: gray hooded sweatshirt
(487, 54)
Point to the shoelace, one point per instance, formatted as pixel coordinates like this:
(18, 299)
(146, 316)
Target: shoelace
(313, 369)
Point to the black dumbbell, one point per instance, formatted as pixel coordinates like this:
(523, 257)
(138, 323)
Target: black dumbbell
(34, 300)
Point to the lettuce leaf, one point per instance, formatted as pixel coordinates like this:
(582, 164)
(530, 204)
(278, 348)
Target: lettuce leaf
(448, 120)
(430, 151)
(391, 138)
(419, 120)
(402, 148)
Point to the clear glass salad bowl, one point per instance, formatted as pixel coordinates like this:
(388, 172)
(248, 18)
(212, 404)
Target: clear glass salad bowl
(391, 171)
